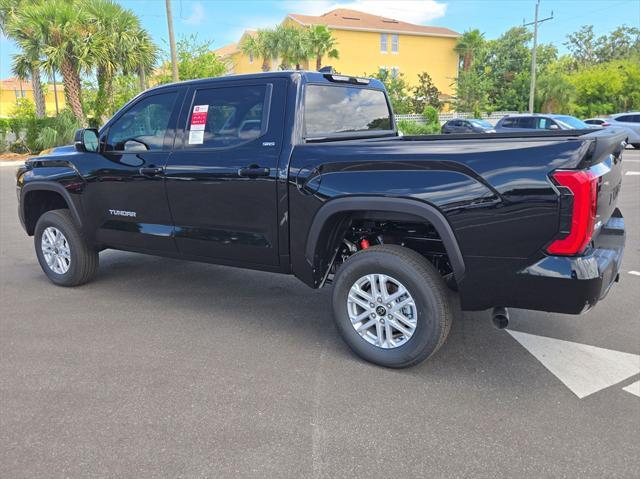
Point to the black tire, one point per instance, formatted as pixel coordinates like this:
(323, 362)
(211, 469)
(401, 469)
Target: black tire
(436, 304)
(83, 263)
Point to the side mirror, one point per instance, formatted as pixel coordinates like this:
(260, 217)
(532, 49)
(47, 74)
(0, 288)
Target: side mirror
(86, 140)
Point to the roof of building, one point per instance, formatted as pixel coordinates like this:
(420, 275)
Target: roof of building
(346, 19)
(232, 48)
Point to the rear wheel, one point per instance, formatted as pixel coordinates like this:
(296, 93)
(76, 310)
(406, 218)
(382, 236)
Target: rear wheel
(64, 255)
(391, 306)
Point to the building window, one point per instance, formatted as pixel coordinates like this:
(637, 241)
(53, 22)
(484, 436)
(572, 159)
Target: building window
(383, 42)
(251, 57)
(394, 43)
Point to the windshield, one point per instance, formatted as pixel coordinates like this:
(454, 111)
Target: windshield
(481, 123)
(341, 109)
(571, 122)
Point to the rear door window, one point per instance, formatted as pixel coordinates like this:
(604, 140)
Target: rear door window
(528, 122)
(629, 118)
(509, 123)
(227, 116)
(330, 110)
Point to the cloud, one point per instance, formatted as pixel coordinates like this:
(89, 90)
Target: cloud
(197, 15)
(412, 11)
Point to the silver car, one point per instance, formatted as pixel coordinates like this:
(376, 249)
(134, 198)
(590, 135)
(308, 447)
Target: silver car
(630, 122)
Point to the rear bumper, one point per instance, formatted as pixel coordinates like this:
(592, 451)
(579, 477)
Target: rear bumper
(574, 285)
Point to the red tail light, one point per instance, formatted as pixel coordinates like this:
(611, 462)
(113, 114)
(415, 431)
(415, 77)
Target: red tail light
(584, 189)
(605, 124)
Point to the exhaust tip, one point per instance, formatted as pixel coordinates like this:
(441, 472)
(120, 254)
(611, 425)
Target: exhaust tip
(500, 317)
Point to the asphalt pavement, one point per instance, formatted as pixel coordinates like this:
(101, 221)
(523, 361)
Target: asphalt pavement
(167, 368)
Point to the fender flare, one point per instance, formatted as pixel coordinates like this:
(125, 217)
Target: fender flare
(412, 207)
(49, 186)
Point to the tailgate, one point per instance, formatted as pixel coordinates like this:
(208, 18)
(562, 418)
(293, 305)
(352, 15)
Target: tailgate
(604, 158)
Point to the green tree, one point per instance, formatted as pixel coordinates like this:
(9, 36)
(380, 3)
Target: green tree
(263, 45)
(321, 43)
(472, 91)
(63, 30)
(292, 46)
(554, 91)
(116, 44)
(26, 65)
(397, 89)
(469, 44)
(582, 45)
(195, 60)
(425, 93)
(620, 44)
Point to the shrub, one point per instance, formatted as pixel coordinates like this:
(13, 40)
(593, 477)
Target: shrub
(408, 127)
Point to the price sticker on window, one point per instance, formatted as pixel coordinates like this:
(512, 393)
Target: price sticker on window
(199, 117)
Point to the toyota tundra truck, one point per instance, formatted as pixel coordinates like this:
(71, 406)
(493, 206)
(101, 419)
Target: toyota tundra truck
(305, 173)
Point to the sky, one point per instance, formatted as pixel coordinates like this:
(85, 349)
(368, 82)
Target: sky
(222, 22)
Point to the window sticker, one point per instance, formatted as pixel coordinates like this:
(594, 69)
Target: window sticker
(196, 137)
(199, 117)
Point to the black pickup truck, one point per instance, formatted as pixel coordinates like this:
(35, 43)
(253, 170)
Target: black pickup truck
(306, 173)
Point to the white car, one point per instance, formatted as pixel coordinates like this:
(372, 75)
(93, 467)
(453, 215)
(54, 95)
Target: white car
(630, 121)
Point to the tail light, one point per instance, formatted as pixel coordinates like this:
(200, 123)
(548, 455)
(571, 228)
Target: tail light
(605, 124)
(583, 186)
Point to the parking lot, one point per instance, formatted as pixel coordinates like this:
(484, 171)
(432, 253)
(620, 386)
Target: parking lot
(166, 368)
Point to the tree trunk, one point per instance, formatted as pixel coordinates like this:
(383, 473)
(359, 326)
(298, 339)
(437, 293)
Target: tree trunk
(38, 94)
(142, 77)
(318, 62)
(466, 62)
(104, 99)
(71, 81)
(265, 64)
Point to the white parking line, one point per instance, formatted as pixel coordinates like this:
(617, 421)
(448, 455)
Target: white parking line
(632, 173)
(11, 163)
(635, 273)
(583, 368)
(633, 388)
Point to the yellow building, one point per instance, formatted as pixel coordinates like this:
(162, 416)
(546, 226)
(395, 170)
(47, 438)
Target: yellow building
(368, 43)
(13, 89)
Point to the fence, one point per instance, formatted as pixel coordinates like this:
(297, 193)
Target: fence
(495, 116)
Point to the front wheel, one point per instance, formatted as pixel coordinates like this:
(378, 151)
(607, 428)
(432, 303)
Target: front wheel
(64, 255)
(391, 306)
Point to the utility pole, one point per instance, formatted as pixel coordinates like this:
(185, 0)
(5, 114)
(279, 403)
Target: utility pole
(172, 41)
(55, 90)
(532, 88)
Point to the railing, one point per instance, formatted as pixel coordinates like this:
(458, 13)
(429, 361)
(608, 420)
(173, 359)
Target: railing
(495, 116)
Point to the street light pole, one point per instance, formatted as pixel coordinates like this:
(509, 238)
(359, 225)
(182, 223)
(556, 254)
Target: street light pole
(172, 41)
(532, 87)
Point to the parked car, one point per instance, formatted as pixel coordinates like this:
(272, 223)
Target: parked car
(470, 125)
(602, 122)
(528, 122)
(630, 122)
(304, 173)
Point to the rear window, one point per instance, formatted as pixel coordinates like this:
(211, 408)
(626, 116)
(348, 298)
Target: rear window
(629, 118)
(331, 109)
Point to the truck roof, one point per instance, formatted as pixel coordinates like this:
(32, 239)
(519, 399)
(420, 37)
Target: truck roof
(307, 77)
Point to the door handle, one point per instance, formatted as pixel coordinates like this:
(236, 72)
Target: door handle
(151, 170)
(254, 170)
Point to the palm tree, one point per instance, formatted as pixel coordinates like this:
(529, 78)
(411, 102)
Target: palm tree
(292, 46)
(468, 46)
(119, 44)
(261, 45)
(63, 30)
(321, 43)
(27, 64)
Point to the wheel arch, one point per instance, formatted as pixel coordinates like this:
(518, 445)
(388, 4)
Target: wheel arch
(330, 218)
(56, 195)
